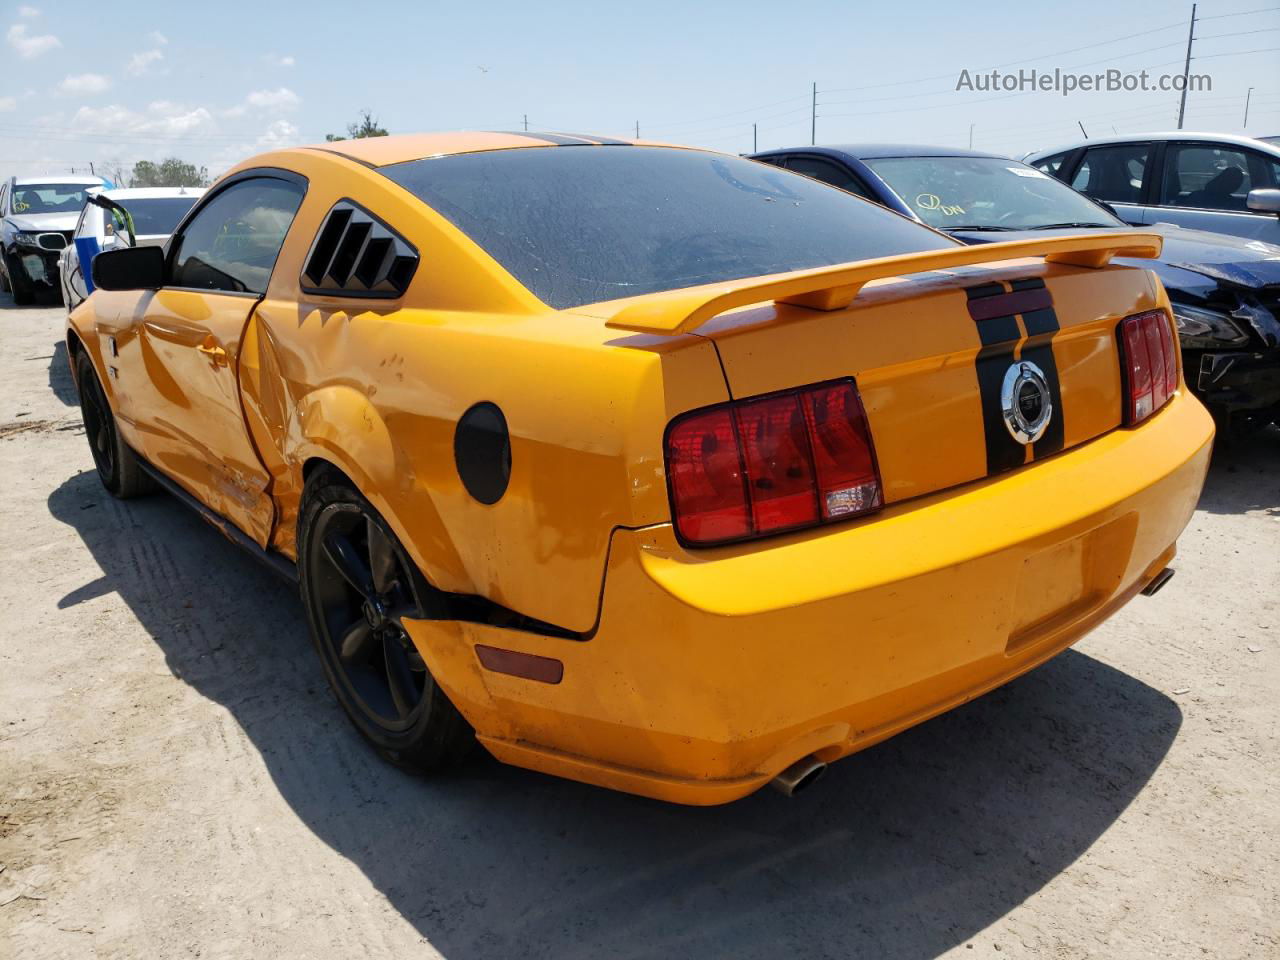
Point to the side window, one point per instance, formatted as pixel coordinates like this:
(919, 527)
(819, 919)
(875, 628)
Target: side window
(1052, 165)
(232, 242)
(1205, 176)
(355, 254)
(1113, 173)
(828, 172)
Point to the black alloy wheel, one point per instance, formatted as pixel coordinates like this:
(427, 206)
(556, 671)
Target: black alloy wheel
(359, 587)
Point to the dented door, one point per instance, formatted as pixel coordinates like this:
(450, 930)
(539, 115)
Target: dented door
(185, 367)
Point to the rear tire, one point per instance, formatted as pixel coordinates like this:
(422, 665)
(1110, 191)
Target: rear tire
(117, 464)
(357, 584)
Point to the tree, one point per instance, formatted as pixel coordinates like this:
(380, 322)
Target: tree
(170, 172)
(367, 126)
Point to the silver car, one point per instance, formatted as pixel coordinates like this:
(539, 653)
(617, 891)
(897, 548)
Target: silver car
(1207, 181)
(37, 215)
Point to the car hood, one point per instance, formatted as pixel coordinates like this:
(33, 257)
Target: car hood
(43, 221)
(1193, 259)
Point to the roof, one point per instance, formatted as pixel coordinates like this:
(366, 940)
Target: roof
(69, 178)
(381, 151)
(874, 151)
(1222, 138)
(152, 193)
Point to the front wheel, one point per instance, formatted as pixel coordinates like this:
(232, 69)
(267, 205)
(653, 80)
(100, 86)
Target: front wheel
(358, 586)
(20, 285)
(117, 464)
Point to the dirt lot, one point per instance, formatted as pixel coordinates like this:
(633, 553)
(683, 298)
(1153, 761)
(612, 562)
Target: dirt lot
(176, 781)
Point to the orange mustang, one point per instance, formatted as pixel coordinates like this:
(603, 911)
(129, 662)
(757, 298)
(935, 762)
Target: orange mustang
(651, 467)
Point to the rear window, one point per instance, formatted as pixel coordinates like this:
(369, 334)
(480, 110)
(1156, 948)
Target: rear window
(153, 216)
(579, 225)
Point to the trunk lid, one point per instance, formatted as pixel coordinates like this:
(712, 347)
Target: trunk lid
(931, 357)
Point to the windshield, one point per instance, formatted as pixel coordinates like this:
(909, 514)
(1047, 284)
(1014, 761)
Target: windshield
(951, 193)
(153, 216)
(579, 225)
(49, 197)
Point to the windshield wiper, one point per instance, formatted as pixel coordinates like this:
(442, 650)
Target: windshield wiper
(1072, 224)
(975, 227)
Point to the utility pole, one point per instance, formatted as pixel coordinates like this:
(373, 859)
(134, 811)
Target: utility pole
(1082, 129)
(755, 139)
(526, 123)
(1186, 69)
(971, 136)
(813, 117)
(1246, 109)
(637, 129)
(94, 173)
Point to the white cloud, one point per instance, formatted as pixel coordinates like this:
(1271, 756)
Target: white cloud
(8, 103)
(281, 133)
(288, 60)
(140, 63)
(162, 119)
(28, 13)
(31, 47)
(158, 38)
(82, 84)
(279, 99)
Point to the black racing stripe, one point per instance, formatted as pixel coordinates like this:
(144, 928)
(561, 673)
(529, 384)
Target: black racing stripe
(984, 290)
(558, 139)
(1041, 326)
(998, 330)
(1040, 322)
(1003, 452)
(1027, 283)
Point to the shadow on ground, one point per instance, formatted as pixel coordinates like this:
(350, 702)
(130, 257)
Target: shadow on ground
(1245, 475)
(60, 382)
(902, 851)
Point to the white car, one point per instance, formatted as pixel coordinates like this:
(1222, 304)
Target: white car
(154, 212)
(37, 215)
(1206, 181)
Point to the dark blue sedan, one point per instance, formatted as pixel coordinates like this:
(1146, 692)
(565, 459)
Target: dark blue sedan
(1225, 290)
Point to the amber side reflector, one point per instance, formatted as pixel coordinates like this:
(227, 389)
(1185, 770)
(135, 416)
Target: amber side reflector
(526, 665)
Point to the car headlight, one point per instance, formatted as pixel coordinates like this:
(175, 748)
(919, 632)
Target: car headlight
(1199, 328)
(27, 238)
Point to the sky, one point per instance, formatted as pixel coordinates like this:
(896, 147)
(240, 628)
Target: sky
(213, 83)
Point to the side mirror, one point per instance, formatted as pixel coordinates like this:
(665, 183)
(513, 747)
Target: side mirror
(130, 268)
(1263, 200)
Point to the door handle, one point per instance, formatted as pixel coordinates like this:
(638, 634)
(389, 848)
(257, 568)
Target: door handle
(215, 354)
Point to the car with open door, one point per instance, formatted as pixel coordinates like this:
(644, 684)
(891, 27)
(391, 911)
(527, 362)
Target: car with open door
(1224, 290)
(135, 216)
(646, 466)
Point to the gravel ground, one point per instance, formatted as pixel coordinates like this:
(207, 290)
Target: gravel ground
(176, 780)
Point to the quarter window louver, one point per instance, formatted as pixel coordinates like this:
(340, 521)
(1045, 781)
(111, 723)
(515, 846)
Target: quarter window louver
(355, 254)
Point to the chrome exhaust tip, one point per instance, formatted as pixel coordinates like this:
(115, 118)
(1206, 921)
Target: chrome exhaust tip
(801, 775)
(1158, 581)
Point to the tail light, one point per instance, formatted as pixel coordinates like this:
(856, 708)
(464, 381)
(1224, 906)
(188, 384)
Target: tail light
(1150, 355)
(785, 461)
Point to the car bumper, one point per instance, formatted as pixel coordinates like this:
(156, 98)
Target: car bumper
(1237, 380)
(712, 671)
(39, 266)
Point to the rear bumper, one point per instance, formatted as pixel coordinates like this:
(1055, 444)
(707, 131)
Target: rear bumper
(711, 671)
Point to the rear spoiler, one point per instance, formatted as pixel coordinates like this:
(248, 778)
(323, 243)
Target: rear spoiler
(833, 288)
